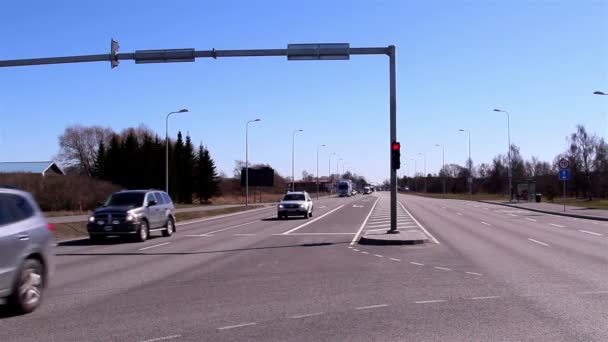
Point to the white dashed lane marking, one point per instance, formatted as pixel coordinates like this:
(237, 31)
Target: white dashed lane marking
(236, 326)
(588, 232)
(306, 315)
(430, 301)
(529, 219)
(371, 307)
(485, 223)
(487, 297)
(474, 273)
(538, 242)
(556, 225)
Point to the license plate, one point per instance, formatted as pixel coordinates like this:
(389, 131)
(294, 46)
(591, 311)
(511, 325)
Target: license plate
(107, 228)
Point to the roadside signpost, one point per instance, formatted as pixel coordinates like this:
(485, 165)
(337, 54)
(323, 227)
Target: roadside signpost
(564, 175)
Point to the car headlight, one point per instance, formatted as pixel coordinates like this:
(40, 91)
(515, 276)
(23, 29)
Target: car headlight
(131, 217)
(280, 206)
(302, 205)
(91, 218)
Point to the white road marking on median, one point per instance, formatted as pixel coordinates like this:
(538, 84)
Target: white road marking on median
(485, 223)
(538, 242)
(379, 256)
(459, 214)
(232, 227)
(474, 273)
(430, 301)
(588, 232)
(162, 338)
(443, 268)
(160, 244)
(358, 206)
(419, 225)
(416, 263)
(395, 259)
(379, 225)
(486, 297)
(371, 306)
(529, 219)
(364, 222)
(236, 326)
(314, 234)
(312, 221)
(307, 315)
(556, 225)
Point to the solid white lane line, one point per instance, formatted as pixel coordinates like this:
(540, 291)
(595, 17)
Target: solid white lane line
(221, 216)
(529, 219)
(443, 268)
(395, 259)
(430, 301)
(538, 242)
(487, 297)
(232, 227)
(162, 338)
(160, 244)
(236, 326)
(312, 221)
(416, 263)
(474, 273)
(364, 222)
(419, 225)
(485, 223)
(588, 232)
(307, 315)
(371, 306)
(460, 214)
(379, 256)
(556, 225)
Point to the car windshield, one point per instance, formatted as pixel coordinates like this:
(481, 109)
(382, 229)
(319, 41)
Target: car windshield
(132, 199)
(343, 186)
(294, 197)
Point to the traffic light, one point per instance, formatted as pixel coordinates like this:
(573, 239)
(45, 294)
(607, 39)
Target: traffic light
(114, 53)
(395, 155)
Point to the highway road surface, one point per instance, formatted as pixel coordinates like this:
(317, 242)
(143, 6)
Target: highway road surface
(488, 273)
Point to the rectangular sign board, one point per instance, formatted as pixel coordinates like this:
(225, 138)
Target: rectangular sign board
(259, 177)
(564, 175)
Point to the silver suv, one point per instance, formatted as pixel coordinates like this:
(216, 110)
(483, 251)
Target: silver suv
(26, 256)
(134, 213)
(295, 204)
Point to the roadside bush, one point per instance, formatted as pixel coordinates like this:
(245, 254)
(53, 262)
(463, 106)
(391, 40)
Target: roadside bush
(70, 192)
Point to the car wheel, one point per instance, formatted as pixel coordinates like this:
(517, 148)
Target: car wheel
(142, 233)
(170, 228)
(310, 214)
(27, 292)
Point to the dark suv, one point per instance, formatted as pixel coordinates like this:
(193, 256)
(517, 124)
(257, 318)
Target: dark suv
(134, 213)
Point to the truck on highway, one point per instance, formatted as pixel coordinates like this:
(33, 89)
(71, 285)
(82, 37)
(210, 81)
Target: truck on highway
(345, 187)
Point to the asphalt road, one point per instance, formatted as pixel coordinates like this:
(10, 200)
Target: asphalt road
(494, 274)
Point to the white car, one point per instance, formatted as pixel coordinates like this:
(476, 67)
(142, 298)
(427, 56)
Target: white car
(296, 203)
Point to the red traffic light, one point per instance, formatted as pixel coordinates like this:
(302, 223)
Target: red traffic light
(396, 146)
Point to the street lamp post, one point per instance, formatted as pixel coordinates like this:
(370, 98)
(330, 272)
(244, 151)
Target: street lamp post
(470, 162)
(247, 160)
(442, 165)
(329, 171)
(510, 168)
(167, 147)
(425, 174)
(293, 149)
(318, 169)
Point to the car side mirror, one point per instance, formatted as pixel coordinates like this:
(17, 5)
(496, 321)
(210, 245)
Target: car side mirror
(99, 204)
(152, 203)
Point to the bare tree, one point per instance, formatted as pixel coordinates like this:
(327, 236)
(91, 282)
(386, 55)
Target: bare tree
(78, 146)
(583, 147)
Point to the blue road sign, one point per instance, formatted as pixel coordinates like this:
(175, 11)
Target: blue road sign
(564, 175)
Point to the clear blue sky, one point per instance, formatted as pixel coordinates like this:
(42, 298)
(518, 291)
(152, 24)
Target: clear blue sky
(457, 60)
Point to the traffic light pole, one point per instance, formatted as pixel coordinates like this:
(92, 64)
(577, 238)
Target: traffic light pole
(299, 52)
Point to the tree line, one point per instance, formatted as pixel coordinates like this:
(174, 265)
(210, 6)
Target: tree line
(135, 159)
(586, 152)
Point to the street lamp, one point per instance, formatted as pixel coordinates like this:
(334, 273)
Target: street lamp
(510, 171)
(247, 160)
(470, 162)
(167, 147)
(293, 149)
(318, 147)
(442, 165)
(425, 174)
(329, 170)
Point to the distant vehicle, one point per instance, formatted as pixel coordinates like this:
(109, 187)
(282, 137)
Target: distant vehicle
(295, 204)
(26, 256)
(367, 190)
(345, 188)
(354, 192)
(133, 213)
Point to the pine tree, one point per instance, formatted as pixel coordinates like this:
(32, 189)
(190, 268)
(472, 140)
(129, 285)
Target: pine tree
(131, 162)
(206, 179)
(99, 168)
(113, 160)
(175, 167)
(187, 172)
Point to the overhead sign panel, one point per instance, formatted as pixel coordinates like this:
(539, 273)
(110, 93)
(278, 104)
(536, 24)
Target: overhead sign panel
(311, 52)
(164, 56)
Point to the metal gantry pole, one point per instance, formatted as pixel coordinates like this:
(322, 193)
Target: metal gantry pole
(329, 173)
(393, 131)
(470, 169)
(443, 167)
(510, 171)
(167, 153)
(318, 169)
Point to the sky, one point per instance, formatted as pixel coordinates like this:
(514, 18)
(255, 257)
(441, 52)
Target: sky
(456, 61)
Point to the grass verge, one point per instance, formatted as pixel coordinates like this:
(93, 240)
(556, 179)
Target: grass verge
(475, 197)
(594, 204)
(74, 230)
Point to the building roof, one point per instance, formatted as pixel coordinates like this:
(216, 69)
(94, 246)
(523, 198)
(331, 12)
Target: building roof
(30, 167)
